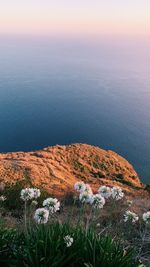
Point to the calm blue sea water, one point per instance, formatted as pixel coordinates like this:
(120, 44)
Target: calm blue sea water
(55, 91)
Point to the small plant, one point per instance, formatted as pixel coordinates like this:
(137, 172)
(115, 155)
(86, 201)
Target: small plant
(26, 195)
(130, 216)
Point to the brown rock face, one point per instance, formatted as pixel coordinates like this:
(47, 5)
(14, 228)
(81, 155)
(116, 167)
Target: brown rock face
(57, 168)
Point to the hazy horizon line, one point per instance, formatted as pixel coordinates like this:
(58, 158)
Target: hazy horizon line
(75, 35)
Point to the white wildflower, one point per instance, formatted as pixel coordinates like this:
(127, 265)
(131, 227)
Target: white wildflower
(85, 197)
(68, 240)
(37, 192)
(97, 201)
(88, 189)
(116, 193)
(105, 191)
(146, 217)
(130, 216)
(52, 204)
(79, 186)
(129, 202)
(41, 216)
(2, 198)
(27, 194)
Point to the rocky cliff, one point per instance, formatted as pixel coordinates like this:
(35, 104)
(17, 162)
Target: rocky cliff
(57, 168)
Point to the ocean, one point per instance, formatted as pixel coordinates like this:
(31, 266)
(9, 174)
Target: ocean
(76, 90)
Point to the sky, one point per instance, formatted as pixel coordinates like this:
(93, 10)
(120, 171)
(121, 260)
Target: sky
(75, 17)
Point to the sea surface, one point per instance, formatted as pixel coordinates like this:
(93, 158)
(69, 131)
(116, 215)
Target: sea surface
(63, 90)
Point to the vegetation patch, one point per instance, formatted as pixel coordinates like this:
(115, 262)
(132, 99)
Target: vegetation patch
(58, 245)
(82, 230)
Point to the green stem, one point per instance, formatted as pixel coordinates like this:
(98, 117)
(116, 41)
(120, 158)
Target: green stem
(80, 213)
(25, 214)
(89, 217)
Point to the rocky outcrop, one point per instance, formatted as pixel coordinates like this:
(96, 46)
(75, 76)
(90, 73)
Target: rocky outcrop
(57, 168)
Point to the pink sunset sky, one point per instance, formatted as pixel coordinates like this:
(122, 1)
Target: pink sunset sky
(75, 17)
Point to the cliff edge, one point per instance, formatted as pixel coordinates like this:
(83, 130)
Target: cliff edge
(57, 168)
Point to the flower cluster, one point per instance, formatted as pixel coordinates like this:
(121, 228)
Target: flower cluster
(117, 193)
(52, 204)
(97, 201)
(68, 240)
(30, 193)
(79, 187)
(146, 217)
(85, 197)
(41, 216)
(105, 191)
(85, 192)
(130, 216)
(27, 194)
